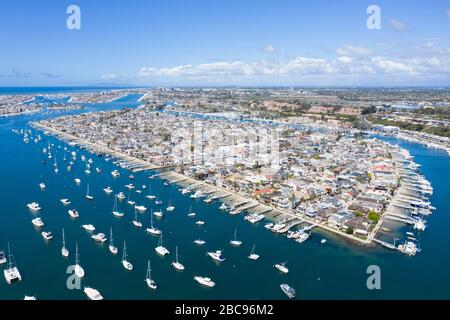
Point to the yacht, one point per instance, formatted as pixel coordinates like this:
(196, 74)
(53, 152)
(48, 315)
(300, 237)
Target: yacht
(112, 248)
(77, 181)
(127, 265)
(98, 170)
(64, 251)
(196, 195)
(116, 211)
(99, 237)
(148, 279)
(253, 255)
(200, 223)
(282, 267)
(92, 293)
(65, 202)
(205, 281)
(323, 241)
(152, 229)
(223, 207)
(29, 297)
(83, 158)
(217, 255)
(42, 186)
(74, 213)
(3, 259)
(235, 242)
(120, 196)
(88, 195)
(176, 264)
(185, 191)
(199, 242)
(34, 206)
(115, 174)
(269, 226)
(37, 222)
(88, 227)
(158, 214)
(12, 273)
(287, 290)
(141, 209)
(108, 190)
(47, 235)
(160, 249)
(136, 221)
(419, 225)
(131, 177)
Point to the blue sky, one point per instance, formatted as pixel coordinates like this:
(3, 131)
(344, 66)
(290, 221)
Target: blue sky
(225, 42)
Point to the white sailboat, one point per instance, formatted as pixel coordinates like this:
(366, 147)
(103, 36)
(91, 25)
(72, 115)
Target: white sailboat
(130, 202)
(12, 273)
(170, 207)
(127, 265)
(176, 264)
(160, 249)
(136, 221)
(148, 279)
(93, 294)
(79, 271)
(253, 255)
(116, 211)
(149, 195)
(112, 248)
(235, 242)
(88, 195)
(190, 213)
(152, 229)
(64, 251)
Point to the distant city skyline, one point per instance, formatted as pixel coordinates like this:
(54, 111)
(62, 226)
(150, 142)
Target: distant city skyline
(225, 43)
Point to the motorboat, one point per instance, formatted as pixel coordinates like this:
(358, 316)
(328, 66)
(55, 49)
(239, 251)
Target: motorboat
(42, 186)
(288, 291)
(93, 294)
(140, 209)
(108, 190)
(37, 222)
(47, 235)
(216, 255)
(99, 237)
(158, 214)
(65, 202)
(88, 227)
(77, 181)
(115, 173)
(282, 267)
(199, 242)
(205, 281)
(74, 213)
(34, 206)
(121, 196)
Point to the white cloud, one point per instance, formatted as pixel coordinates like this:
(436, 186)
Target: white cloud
(108, 76)
(345, 59)
(349, 50)
(397, 25)
(359, 64)
(269, 48)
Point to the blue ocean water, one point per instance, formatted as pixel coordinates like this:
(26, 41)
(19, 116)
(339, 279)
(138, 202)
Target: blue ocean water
(336, 270)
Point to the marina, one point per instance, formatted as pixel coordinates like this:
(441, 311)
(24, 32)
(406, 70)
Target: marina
(217, 231)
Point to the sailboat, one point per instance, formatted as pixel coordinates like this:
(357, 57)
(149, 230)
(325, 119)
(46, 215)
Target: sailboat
(79, 271)
(176, 264)
(253, 255)
(127, 265)
(160, 249)
(130, 202)
(235, 242)
(136, 221)
(190, 213)
(12, 273)
(150, 196)
(157, 201)
(112, 248)
(116, 211)
(64, 251)
(150, 282)
(88, 195)
(152, 229)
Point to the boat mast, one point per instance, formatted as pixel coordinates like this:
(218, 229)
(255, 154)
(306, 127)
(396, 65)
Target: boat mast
(149, 270)
(124, 258)
(111, 242)
(64, 239)
(176, 254)
(77, 260)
